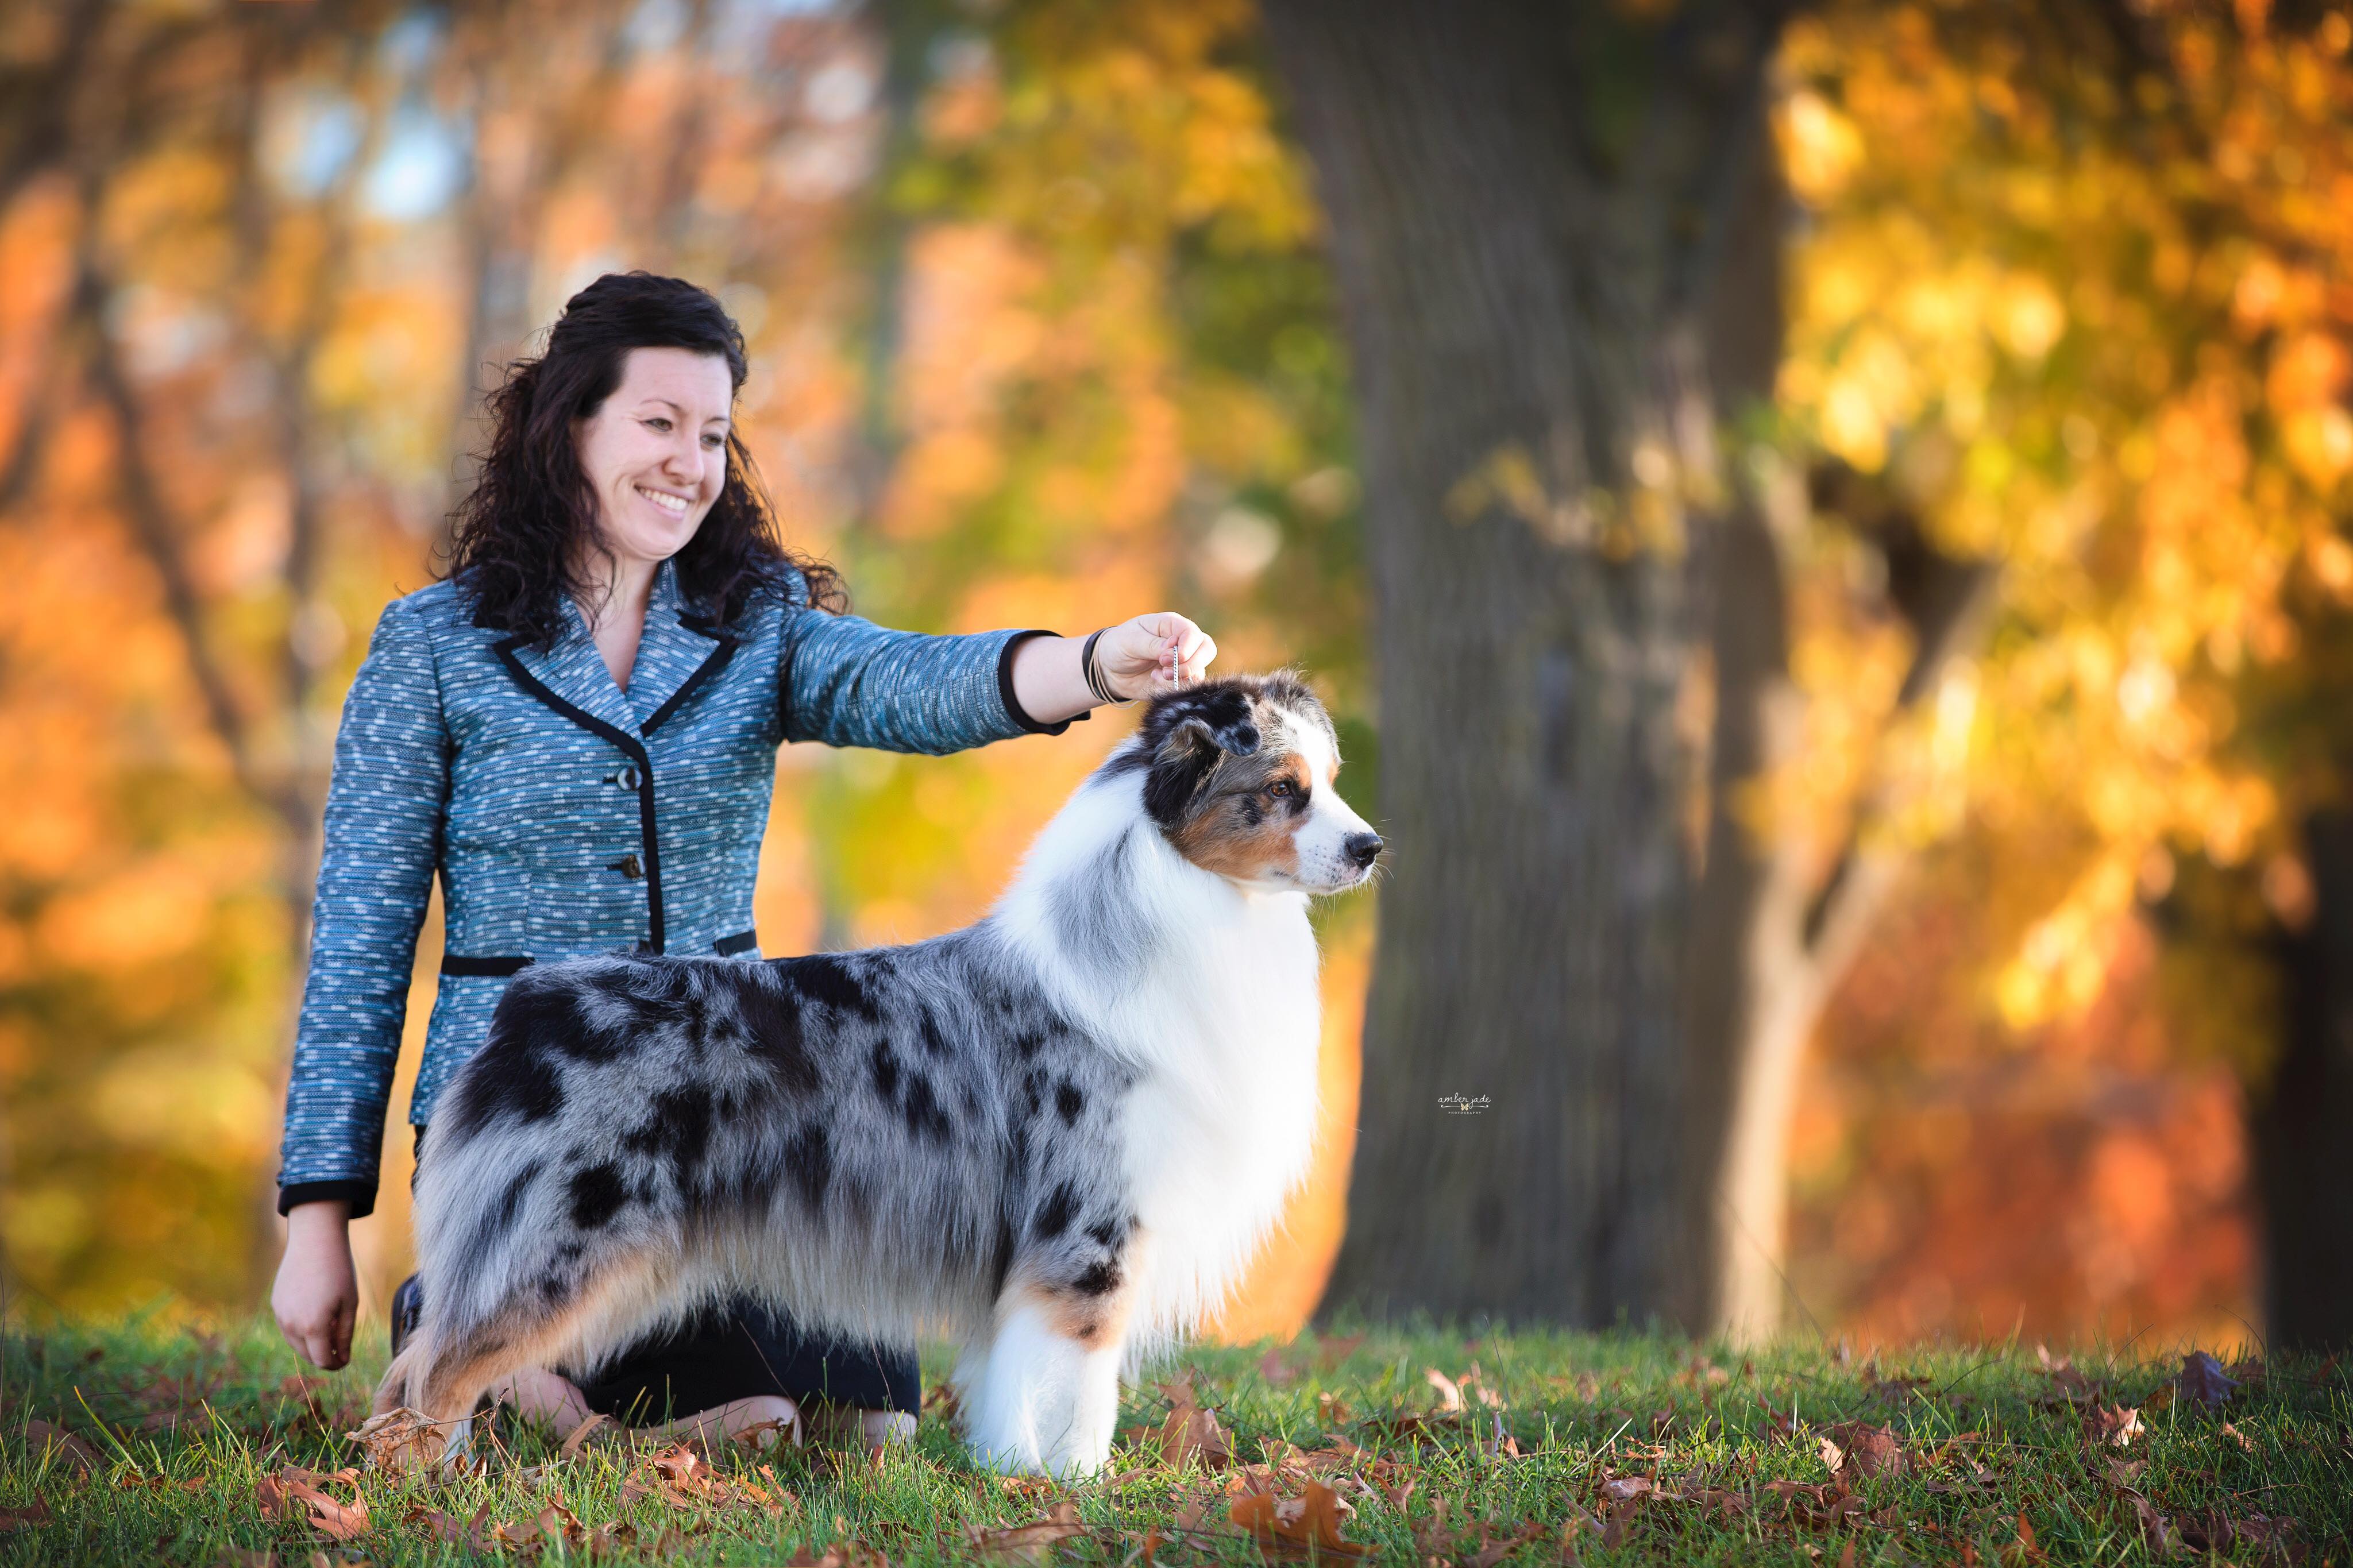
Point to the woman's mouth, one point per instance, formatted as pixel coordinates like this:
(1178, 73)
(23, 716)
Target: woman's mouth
(677, 506)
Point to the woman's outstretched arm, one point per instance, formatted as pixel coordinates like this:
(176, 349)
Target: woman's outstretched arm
(849, 682)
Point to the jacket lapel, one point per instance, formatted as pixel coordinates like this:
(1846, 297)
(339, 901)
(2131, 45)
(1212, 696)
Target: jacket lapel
(575, 671)
(676, 653)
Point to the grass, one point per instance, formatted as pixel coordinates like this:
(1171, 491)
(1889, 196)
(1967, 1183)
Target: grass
(1631, 1449)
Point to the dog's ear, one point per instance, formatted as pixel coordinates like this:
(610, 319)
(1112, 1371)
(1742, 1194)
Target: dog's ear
(1190, 750)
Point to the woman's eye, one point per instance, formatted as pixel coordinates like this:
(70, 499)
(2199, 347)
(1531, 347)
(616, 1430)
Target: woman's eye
(714, 442)
(661, 425)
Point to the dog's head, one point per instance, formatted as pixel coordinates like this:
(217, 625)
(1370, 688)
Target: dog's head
(1238, 774)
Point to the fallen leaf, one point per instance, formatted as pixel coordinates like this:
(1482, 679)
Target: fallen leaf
(2125, 1473)
(577, 1438)
(2237, 1437)
(1868, 1451)
(2202, 1381)
(2116, 1424)
(1033, 1543)
(1310, 1522)
(401, 1440)
(1626, 1489)
(25, 1517)
(1272, 1367)
(2219, 1532)
(41, 1437)
(1450, 1392)
(1193, 1433)
(1330, 1353)
(298, 1494)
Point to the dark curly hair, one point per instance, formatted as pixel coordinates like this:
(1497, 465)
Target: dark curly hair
(517, 537)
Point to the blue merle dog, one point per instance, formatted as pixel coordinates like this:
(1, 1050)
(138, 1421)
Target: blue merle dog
(1055, 1136)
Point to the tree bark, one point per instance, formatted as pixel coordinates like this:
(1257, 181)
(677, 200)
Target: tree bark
(2299, 1118)
(1530, 207)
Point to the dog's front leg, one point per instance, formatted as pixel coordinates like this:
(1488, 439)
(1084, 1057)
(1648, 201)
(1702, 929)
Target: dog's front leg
(1048, 1396)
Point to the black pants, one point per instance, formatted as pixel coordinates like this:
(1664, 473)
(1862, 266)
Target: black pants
(740, 1351)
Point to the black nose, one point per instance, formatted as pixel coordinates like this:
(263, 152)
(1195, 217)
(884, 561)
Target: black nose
(1364, 848)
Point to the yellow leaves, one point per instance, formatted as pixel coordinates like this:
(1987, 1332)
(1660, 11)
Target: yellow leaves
(1820, 147)
(2027, 316)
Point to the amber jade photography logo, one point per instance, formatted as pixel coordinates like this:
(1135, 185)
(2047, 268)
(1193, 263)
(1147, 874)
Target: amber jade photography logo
(1464, 1104)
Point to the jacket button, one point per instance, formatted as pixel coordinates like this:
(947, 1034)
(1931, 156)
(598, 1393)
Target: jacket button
(626, 778)
(628, 866)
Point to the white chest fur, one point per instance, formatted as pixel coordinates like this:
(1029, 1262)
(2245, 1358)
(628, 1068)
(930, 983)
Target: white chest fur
(1221, 1125)
(1218, 1014)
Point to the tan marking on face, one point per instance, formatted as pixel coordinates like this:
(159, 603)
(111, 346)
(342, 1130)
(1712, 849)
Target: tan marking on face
(1218, 833)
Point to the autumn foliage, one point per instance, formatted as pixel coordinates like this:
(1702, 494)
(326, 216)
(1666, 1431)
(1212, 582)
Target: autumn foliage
(1043, 335)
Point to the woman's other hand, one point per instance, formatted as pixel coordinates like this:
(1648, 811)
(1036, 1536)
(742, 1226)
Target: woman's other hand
(317, 1295)
(1153, 654)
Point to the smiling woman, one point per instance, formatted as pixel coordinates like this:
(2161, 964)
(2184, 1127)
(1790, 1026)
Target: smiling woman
(576, 731)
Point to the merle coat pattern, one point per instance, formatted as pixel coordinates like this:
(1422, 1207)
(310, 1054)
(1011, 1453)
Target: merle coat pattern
(1055, 1135)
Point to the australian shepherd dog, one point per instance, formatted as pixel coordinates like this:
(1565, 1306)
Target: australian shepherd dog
(1055, 1137)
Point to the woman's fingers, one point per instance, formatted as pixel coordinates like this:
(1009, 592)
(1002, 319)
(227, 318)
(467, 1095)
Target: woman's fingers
(1155, 653)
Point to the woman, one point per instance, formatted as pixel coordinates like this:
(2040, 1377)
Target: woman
(576, 729)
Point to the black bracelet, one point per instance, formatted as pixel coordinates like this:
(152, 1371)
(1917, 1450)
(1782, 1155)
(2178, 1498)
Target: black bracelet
(1096, 683)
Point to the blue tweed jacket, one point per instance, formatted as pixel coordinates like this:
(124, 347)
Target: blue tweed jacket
(567, 817)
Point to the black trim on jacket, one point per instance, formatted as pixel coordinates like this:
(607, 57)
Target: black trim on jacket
(1013, 708)
(648, 831)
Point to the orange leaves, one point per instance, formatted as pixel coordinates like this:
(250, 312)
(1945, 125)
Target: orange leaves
(299, 1495)
(400, 1440)
(681, 1478)
(1865, 1449)
(1027, 1544)
(1192, 1435)
(1307, 1524)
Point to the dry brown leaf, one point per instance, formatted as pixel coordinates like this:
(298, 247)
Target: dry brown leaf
(1450, 1392)
(1193, 1433)
(2202, 1381)
(401, 1440)
(1310, 1522)
(1033, 1543)
(1868, 1451)
(297, 1494)
(1275, 1370)
(41, 1437)
(2116, 1424)
(577, 1438)
(34, 1512)
(1330, 1353)
(2237, 1437)
(1626, 1489)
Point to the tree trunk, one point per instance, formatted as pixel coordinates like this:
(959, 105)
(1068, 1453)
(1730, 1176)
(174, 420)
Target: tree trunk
(2300, 1118)
(1529, 208)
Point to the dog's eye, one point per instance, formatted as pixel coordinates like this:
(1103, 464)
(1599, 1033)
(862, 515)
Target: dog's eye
(1281, 788)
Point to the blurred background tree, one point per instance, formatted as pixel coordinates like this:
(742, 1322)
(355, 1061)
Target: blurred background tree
(1907, 620)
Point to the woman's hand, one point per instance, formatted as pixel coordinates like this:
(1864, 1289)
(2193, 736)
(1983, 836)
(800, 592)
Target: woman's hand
(317, 1296)
(1153, 654)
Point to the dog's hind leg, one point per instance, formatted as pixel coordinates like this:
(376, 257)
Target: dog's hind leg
(1048, 1394)
(442, 1371)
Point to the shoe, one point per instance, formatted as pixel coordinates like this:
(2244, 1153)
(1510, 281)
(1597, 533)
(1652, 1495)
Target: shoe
(407, 1306)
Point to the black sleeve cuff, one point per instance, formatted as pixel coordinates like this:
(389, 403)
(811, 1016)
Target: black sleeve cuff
(1005, 688)
(361, 1196)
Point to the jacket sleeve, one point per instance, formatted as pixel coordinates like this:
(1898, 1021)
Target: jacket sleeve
(385, 809)
(849, 682)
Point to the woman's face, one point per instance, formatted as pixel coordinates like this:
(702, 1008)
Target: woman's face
(655, 452)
